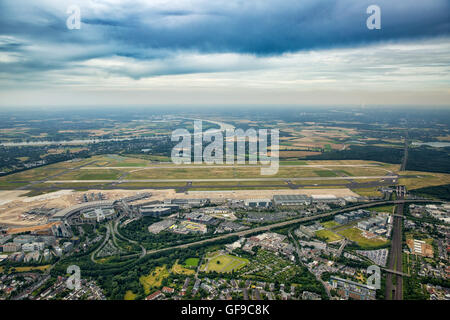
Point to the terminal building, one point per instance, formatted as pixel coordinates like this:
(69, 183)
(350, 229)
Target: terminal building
(97, 214)
(156, 210)
(187, 202)
(291, 200)
(67, 212)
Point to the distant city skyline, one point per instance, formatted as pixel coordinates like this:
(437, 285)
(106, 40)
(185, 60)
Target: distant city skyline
(224, 52)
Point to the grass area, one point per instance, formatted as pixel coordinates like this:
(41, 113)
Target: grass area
(424, 179)
(368, 192)
(225, 263)
(191, 262)
(28, 269)
(355, 235)
(293, 162)
(419, 236)
(387, 209)
(100, 174)
(179, 269)
(325, 173)
(154, 278)
(328, 235)
(129, 295)
(329, 224)
(342, 172)
(152, 158)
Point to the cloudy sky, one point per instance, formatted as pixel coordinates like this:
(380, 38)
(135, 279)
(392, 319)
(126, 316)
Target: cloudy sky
(224, 52)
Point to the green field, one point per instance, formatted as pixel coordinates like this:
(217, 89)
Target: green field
(328, 235)
(329, 224)
(225, 263)
(325, 173)
(355, 235)
(387, 209)
(191, 262)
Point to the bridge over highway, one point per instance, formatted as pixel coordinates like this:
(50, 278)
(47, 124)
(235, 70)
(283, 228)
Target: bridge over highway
(397, 272)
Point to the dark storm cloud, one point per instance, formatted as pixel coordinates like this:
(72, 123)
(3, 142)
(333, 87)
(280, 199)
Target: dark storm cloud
(149, 30)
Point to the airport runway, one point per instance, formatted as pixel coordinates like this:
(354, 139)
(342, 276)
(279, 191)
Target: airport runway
(203, 166)
(225, 179)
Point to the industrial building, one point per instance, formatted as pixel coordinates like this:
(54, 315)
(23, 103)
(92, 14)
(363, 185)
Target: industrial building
(291, 200)
(347, 217)
(201, 217)
(341, 219)
(258, 203)
(373, 222)
(11, 247)
(326, 198)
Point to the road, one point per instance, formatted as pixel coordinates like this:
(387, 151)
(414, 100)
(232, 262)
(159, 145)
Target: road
(405, 154)
(116, 232)
(101, 246)
(317, 276)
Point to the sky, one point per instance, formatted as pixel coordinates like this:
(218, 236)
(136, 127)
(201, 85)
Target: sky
(198, 52)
